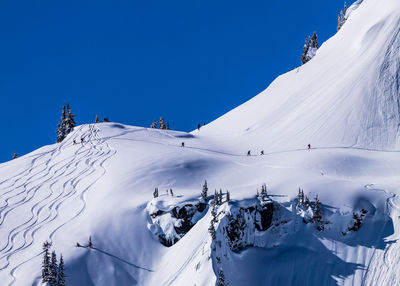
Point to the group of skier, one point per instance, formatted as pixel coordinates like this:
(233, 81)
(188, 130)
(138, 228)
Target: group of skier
(82, 140)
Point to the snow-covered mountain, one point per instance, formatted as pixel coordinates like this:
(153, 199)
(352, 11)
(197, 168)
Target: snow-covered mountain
(344, 102)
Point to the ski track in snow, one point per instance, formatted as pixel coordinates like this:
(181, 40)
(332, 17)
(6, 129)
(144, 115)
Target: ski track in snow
(60, 181)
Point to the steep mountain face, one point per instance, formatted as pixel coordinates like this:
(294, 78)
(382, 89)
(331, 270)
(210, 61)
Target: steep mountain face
(346, 96)
(340, 228)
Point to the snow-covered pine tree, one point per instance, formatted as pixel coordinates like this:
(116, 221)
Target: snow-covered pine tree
(61, 274)
(264, 192)
(61, 127)
(216, 201)
(53, 269)
(342, 17)
(310, 48)
(167, 126)
(155, 193)
(154, 124)
(46, 262)
(300, 197)
(69, 121)
(97, 119)
(214, 219)
(172, 193)
(220, 196)
(204, 191)
(162, 123)
(317, 214)
(228, 196)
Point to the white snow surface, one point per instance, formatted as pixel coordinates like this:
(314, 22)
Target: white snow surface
(344, 102)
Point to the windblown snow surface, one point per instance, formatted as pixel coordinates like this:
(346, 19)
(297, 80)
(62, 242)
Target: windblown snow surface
(344, 102)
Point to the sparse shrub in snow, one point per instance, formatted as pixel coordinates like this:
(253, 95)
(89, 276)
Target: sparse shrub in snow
(310, 48)
(358, 219)
(221, 278)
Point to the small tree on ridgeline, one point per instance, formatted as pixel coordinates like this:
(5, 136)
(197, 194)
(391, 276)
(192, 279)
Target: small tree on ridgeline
(61, 126)
(162, 123)
(310, 48)
(97, 119)
(154, 124)
(69, 121)
(204, 191)
(155, 193)
(342, 17)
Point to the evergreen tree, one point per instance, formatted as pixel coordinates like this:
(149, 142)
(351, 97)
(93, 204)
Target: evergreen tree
(317, 214)
(172, 193)
(220, 196)
(300, 197)
(61, 127)
(214, 219)
(263, 192)
(46, 262)
(204, 191)
(53, 269)
(310, 48)
(154, 124)
(69, 121)
(167, 125)
(162, 123)
(15, 156)
(342, 17)
(228, 196)
(97, 119)
(155, 193)
(61, 274)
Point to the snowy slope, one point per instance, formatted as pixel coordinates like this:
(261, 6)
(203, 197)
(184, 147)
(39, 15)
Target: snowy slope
(347, 96)
(345, 102)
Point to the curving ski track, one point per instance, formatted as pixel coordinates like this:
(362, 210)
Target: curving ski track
(49, 182)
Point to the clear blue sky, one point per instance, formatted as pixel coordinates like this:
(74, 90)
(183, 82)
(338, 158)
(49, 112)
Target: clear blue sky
(133, 61)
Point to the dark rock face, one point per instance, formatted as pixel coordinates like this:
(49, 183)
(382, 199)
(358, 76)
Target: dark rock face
(184, 213)
(239, 222)
(266, 214)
